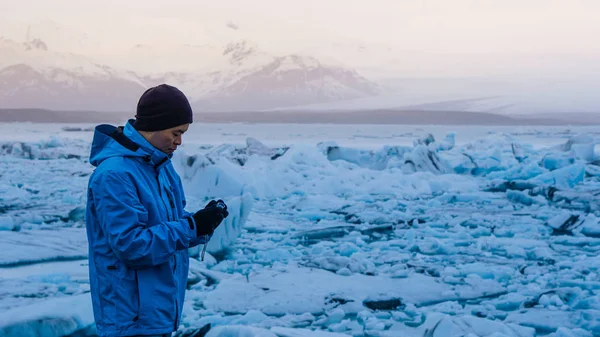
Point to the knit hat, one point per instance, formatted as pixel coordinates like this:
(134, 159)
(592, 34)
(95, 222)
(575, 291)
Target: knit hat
(162, 107)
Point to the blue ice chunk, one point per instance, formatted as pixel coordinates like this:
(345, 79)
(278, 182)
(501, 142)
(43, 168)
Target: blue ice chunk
(554, 161)
(565, 177)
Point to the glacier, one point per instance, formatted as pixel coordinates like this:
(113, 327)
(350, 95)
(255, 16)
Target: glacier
(334, 231)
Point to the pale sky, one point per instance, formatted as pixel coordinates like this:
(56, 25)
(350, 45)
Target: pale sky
(426, 25)
(549, 29)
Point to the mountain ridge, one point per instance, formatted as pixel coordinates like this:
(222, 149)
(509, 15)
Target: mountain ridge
(36, 77)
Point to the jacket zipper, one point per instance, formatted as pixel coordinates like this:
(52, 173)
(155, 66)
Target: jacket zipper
(171, 202)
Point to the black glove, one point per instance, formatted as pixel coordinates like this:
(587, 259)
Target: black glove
(209, 218)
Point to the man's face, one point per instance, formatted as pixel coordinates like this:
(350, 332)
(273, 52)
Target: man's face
(168, 140)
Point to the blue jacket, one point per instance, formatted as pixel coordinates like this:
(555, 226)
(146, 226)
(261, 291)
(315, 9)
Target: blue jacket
(138, 235)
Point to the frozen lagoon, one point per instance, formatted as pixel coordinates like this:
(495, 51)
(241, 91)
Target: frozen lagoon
(336, 230)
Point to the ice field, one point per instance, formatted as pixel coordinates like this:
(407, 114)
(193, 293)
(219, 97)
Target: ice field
(335, 230)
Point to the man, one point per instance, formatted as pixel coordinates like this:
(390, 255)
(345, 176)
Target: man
(138, 231)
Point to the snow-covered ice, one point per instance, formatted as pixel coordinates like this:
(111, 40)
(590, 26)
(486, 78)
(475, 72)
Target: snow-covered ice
(334, 231)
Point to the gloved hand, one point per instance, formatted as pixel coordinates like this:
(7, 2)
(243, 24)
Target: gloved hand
(210, 217)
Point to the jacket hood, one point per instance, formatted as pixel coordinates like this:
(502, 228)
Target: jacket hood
(123, 141)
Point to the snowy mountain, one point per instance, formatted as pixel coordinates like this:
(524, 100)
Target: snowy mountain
(241, 76)
(33, 76)
(233, 77)
(289, 80)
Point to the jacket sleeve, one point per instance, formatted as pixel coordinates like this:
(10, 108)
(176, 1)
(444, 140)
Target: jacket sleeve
(196, 240)
(124, 221)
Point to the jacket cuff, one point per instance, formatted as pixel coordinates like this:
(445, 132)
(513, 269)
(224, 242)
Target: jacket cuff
(192, 226)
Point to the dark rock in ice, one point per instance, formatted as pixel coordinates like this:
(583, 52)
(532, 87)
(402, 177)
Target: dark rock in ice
(518, 152)
(431, 332)
(315, 235)
(567, 295)
(193, 332)
(77, 129)
(348, 217)
(201, 160)
(71, 156)
(563, 224)
(473, 169)
(479, 299)
(190, 161)
(374, 160)
(383, 229)
(423, 159)
(72, 129)
(426, 140)
(236, 154)
(550, 193)
(545, 191)
(18, 149)
(353, 219)
(255, 147)
(385, 304)
(324, 233)
(517, 185)
(480, 314)
(274, 230)
(11, 207)
(415, 221)
(76, 214)
(337, 300)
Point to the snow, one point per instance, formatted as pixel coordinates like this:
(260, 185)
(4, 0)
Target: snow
(43, 319)
(32, 246)
(294, 290)
(241, 331)
(245, 331)
(444, 325)
(333, 231)
(285, 332)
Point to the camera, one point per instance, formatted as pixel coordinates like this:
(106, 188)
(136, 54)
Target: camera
(221, 205)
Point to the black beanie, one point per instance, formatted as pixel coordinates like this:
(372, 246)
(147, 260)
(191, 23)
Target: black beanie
(162, 107)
